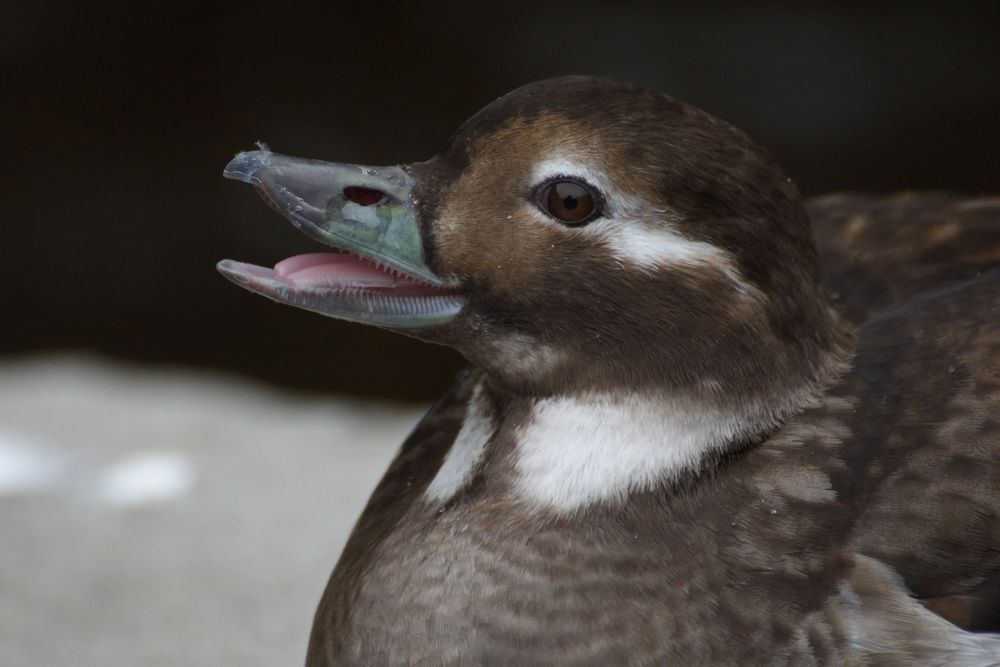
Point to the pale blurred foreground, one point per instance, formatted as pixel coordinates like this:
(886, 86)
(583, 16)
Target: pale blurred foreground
(151, 517)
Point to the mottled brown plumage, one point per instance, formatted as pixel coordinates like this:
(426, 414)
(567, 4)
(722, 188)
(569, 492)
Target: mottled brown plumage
(921, 274)
(838, 500)
(742, 565)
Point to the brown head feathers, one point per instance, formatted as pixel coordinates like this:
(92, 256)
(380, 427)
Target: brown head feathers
(699, 273)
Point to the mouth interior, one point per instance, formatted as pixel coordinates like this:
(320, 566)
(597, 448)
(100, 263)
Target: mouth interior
(351, 287)
(343, 271)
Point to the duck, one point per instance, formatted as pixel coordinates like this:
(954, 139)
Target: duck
(705, 421)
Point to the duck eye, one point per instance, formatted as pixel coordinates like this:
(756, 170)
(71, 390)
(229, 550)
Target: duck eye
(568, 201)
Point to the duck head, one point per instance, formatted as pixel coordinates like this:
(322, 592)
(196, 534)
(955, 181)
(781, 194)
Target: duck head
(575, 234)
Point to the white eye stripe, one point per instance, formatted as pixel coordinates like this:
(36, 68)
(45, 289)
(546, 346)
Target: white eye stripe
(633, 241)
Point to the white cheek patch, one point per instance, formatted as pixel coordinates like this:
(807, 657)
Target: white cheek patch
(466, 452)
(523, 357)
(574, 452)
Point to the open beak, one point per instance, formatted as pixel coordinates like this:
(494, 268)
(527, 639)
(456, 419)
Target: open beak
(379, 276)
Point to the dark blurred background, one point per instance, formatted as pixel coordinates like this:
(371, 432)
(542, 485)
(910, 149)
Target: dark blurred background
(121, 117)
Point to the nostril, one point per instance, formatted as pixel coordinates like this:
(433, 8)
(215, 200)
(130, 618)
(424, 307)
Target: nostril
(363, 196)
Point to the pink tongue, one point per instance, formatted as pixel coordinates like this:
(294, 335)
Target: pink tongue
(323, 269)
